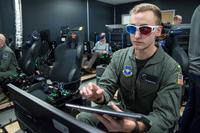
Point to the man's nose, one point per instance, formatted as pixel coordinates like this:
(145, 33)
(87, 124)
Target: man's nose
(137, 34)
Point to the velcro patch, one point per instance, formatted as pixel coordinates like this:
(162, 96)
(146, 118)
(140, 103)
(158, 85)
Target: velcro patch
(180, 79)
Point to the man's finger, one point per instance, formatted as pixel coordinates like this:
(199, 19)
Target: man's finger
(89, 92)
(104, 121)
(92, 87)
(99, 91)
(113, 122)
(115, 107)
(110, 119)
(96, 87)
(82, 91)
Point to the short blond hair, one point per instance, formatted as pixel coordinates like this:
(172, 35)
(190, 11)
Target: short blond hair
(147, 7)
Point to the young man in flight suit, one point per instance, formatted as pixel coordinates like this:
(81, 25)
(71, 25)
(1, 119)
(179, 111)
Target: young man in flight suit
(8, 63)
(149, 81)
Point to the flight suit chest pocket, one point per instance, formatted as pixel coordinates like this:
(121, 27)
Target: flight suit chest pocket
(4, 60)
(127, 90)
(147, 85)
(126, 84)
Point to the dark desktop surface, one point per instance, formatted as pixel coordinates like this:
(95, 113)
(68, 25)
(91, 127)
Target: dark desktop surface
(40, 117)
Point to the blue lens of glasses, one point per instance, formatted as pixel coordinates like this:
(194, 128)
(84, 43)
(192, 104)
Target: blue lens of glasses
(131, 29)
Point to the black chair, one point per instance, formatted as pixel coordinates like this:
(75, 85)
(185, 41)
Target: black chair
(178, 42)
(30, 52)
(64, 75)
(67, 66)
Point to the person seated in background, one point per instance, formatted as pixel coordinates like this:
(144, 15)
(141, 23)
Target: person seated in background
(8, 64)
(177, 19)
(100, 48)
(72, 41)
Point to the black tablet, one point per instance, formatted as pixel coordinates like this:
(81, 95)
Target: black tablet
(111, 112)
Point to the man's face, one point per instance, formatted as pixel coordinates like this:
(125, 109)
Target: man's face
(74, 36)
(178, 20)
(141, 41)
(103, 40)
(2, 41)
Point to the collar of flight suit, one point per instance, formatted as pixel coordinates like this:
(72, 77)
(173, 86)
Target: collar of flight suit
(158, 57)
(3, 47)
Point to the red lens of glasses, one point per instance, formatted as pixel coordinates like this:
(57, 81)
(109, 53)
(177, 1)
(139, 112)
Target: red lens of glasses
(145, 30)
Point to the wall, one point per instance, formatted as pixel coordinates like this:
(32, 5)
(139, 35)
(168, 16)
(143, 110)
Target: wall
(52, 14)
(184, 8)
(45, 14)
(6, 17)
(1, 28)
(100, 15)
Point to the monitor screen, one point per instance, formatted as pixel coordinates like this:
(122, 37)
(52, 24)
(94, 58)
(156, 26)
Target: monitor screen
(40, 117)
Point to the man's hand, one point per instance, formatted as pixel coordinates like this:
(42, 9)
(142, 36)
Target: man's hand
(113, 125)
(104, 52)
(93, 92)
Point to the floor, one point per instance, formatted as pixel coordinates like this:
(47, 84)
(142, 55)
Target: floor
(8, 116)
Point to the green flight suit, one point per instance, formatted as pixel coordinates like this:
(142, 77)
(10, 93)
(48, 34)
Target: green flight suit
(155, 92)
(8, 63)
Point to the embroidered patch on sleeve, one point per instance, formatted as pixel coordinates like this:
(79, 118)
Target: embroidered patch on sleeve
(180, 79)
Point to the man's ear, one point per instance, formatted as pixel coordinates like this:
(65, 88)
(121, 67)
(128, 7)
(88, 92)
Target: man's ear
(159, 31)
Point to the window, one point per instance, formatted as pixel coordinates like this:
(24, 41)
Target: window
(167, 15)
(125, 18)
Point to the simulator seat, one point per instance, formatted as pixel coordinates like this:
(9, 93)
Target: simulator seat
(64, 77)
(178, 42)
(27, 68)
(30, 52)
(67, 65)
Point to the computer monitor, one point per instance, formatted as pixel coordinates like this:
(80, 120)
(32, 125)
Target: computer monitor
(40, 117)
(180, 34)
